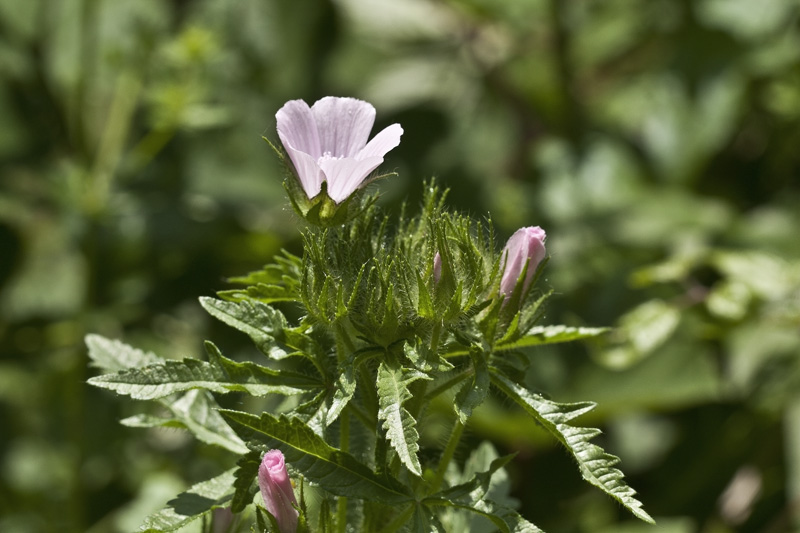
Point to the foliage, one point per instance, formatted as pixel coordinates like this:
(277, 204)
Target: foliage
(374, 312)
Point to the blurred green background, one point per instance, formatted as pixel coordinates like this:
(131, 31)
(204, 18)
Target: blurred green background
(657, 141)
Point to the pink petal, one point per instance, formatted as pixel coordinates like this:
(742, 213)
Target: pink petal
(344, 125)
(344, 176)
(308, 171)
(387, 139)
(524, 245)
(296, 127)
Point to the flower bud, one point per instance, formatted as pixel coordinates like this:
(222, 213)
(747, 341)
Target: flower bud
(437, 267)
(525, 246)
(276, 489)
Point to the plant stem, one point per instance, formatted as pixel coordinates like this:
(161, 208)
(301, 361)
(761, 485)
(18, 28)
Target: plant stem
(400, 521)
(344, 445)
(447, 455)
(450, 383)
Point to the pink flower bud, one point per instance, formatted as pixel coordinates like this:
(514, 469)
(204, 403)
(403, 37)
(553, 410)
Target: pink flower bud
(437, 267)
(526, 245)
(276, 489)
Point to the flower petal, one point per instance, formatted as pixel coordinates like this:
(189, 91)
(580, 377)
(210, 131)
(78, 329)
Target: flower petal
(308, 171)
(380, 145)
(344, 125)
(524, 245)
(296, 126)
(345, 175)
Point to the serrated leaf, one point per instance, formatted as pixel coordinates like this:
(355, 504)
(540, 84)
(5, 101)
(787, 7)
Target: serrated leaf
(244, 486)
(550, 335)
(221, 375)
(192, 504)
(198, 411)
(346, 382)
(335, 471)
(474, 391)
(195, 411)
(259, 321)
(400, 426)
(113, 356)
(596, 466)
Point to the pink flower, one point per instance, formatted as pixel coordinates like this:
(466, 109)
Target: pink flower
(276, 489)
(526, 245)
(328, 142)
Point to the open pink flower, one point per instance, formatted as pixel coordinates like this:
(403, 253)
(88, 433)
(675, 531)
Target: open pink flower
(276, 489)
(526, 244)
(328, 142)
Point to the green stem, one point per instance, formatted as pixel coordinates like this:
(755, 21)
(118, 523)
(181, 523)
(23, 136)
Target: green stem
(344, 445)
(368, 393)
(400, 521)
(450, 383)
(344, 344)
(447, 456)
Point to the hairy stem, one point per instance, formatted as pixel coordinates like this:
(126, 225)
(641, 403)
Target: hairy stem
(344, 445)
(447, 455)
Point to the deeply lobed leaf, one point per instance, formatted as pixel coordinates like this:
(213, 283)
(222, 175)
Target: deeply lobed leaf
(400, 426)
(219, 375)
(596, 466)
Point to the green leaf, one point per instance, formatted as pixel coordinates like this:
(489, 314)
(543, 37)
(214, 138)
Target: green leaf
(474, 391)
(195, 411)
(113, 356)
(504, 518)
(400, 426)
(219, 375)
(425, 521)
(550, 335)
(245, 489)
(335, 471)
(472, 497)
(596, 466)
(192, 504)
(476, 488)
(259, 321)
(346, 383)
